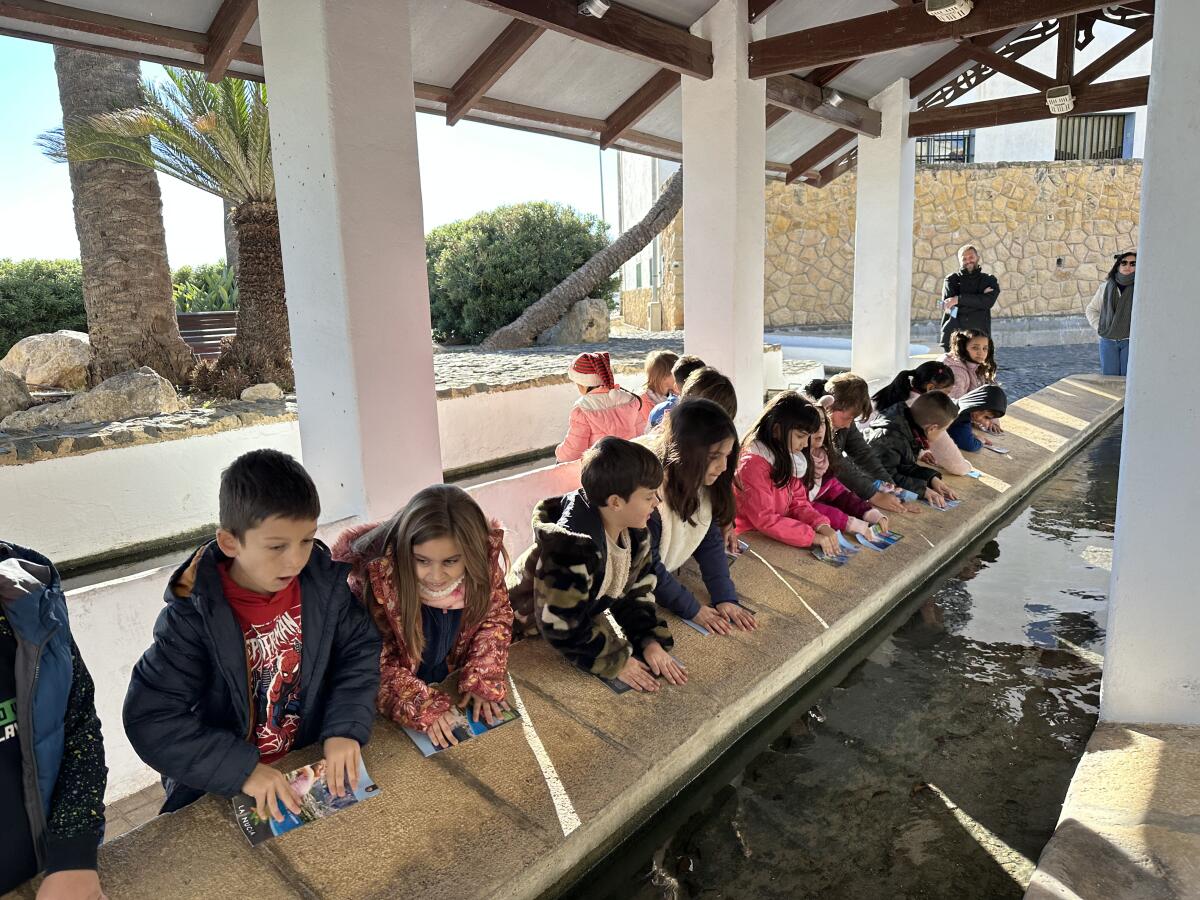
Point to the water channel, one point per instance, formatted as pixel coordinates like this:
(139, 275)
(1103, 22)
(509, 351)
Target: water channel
(936, 766)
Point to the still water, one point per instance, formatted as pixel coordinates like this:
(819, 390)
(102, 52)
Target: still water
(937, 767)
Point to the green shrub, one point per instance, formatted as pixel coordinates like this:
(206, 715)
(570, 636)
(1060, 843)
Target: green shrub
(484, 271)
(211, 287)
(39, 296)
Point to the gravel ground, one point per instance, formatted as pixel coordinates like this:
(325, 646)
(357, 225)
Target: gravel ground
(1024, 370)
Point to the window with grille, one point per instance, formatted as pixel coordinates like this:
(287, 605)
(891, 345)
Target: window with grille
(951, 146)
(1093, 137)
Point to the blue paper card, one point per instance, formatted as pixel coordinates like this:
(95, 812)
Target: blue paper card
(840, 560)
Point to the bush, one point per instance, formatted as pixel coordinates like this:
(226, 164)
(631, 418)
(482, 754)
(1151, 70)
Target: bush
(39, 296)
(211, 287)
(486, 270)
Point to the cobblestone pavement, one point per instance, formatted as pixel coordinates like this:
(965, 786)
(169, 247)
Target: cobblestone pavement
(1024, 370)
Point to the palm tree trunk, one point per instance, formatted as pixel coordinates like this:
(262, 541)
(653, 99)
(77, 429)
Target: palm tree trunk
(546, 312)
(262, 350)
(122, 244)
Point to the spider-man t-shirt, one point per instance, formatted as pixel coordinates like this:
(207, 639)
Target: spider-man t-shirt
(271, 626)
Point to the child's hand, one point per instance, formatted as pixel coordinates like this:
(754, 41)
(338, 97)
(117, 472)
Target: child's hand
(712, 620)
(71, 884)
(883, 499)
(637, 675)
(994, 427)
(738, 615)
(942, 488)
(489, 711)
(662, 663)
(731, 541)
(269, 788)
(857, 526)
(986, 442)
(926, 457)
(441, 732)
(934, 498)
(883, 524)
(826, 537)
(342, 757)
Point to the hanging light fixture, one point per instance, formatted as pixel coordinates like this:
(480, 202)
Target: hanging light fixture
(1060, 99)
(949, 10)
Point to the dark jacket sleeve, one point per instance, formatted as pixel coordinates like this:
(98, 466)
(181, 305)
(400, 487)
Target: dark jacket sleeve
(903, 470)
(353, 672)
(950, 286)
(714, 566)
(76, 824)
(167, 683)
(635, 611)
(668, 592)
(860, 467)
(981, 301)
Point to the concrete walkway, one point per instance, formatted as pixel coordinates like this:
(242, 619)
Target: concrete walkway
(1130, 827)
(522, 810)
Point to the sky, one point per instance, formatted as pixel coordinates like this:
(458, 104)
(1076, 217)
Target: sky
(464, 169)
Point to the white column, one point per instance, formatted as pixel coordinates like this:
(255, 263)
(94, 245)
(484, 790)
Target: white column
(724, 208)
(1152, 658)
(343, 135)
(883, 240)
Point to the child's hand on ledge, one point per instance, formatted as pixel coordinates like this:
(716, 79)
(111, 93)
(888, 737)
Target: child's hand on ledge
(441, 732)
(71, 884)
(926, 457)
(488, 710)
(738, 615)
(342, 756)
(712, 620)
(942, 488)
(933, 497)
(662, 663)
(886, 500)
(826, 539)
(731, 541)
(269, 789)
(637, 675)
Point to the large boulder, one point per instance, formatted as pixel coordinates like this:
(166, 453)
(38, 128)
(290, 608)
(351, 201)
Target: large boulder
(14, 397)
(267, 391)
(57, 360)
(125, 396)
(585, 323)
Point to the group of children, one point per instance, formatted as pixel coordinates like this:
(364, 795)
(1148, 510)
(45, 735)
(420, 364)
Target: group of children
(269, 640)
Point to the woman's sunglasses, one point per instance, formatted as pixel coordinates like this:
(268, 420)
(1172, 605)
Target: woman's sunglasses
(1131, 263)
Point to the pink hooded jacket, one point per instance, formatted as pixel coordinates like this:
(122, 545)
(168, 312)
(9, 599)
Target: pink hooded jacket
(783, 513)
(966, 378)
(599, 413)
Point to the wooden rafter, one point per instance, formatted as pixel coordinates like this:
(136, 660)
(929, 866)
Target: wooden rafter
(958, 76)
(1090, 98)
(759, 7)
(85, 21)
(1115, 54)
(835, 107)
(491, 64)
(822, 76)
(226, 34)
(839, 167)
(823, 150)
(1007, 66)
(893, 29)
(623, 29)
(775, 113)
(1064, 66)
(639, 104)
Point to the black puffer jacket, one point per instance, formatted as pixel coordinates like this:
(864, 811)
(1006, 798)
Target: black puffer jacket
(188, 709)
(896, 439)
(974, 306)
(859, 467)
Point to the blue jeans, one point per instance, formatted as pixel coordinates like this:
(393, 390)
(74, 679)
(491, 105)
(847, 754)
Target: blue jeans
(1114, 356)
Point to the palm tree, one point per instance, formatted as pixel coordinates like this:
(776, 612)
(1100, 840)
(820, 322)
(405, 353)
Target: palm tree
(215, 137)
(122, 245)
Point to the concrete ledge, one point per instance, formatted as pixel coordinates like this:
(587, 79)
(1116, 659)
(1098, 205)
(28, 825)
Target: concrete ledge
(1130, 826)
(495, 819)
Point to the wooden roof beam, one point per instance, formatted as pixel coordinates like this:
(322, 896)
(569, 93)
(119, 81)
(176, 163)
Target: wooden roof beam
(758, 8)
(893, 29)
(492, 63)
(623, 29)
(775, 113)
(639, 104)
(802, 164)
(1009, 67)
(839, 167)
(835, 107)
(1090, 98)
(226, 34)
(1115, 54)
(1064, 66)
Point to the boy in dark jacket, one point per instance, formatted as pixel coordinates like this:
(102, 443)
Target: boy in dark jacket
(52, 772)
(968, 296)
(978, 409)
(900, 433)
(591, 554)
(261, 649)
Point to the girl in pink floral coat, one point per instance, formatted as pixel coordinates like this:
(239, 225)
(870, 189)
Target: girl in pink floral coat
(432, 577)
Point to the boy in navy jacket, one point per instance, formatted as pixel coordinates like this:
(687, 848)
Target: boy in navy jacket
(261, 649)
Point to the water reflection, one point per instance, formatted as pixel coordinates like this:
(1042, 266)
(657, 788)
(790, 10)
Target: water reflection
(938, 767)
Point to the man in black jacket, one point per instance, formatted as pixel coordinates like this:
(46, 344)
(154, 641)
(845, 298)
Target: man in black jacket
(968, 296)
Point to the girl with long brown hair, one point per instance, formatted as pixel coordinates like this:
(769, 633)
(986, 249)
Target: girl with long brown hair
(432, 577)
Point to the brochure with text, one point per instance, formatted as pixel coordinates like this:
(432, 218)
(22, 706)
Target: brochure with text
(316, 802)
(465, 728)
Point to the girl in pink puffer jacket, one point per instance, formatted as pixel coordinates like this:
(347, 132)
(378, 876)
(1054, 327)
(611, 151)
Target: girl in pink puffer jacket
(603, 409)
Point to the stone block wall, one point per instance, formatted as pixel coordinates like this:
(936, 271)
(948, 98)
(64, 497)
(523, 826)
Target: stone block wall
(1048, 230)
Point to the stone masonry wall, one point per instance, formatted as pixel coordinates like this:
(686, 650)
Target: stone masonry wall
(1048, 230)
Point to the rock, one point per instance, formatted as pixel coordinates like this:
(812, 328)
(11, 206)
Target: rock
(586, 323)
(58, 360)
(124, 396)
(14, 397)
(268, 391)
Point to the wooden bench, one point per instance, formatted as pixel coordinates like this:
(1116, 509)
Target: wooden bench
(203, 332)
